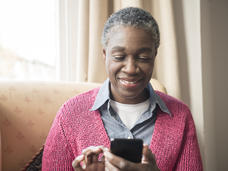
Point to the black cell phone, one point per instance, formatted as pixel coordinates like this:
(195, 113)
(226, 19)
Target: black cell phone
(129, 149)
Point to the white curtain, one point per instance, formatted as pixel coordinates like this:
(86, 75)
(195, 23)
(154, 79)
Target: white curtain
(81, 24)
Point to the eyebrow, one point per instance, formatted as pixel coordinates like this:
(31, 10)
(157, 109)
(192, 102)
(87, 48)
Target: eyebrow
(118, 48)
(146, 49)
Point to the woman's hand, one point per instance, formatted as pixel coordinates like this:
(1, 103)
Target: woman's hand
(115, 163)
(89, 159)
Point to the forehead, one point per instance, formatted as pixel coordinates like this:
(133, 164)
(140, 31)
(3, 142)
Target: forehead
(130, 36)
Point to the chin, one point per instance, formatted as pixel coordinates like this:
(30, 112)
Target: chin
(130, 96)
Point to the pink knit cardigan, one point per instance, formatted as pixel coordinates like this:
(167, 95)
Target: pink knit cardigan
(75, 127)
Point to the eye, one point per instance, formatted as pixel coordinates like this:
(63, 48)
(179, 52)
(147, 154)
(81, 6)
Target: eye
(118, 57)
(144, 57)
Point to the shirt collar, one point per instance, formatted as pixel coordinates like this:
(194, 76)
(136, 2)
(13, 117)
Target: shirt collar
(104, 95)
(155, 99)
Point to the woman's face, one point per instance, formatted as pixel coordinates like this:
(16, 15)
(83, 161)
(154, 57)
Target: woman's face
(129, 59)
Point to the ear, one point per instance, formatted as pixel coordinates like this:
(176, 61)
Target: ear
(156, 52)
(104, 54)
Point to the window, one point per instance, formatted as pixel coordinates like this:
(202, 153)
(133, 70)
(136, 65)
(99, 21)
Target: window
(28, 39)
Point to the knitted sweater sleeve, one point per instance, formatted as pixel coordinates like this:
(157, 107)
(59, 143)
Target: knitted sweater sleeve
(57, 153)
(189, 156)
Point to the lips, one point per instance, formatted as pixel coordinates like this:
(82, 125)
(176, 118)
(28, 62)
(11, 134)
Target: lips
(129, 83)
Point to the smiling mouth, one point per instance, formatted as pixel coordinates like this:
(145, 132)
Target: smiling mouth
(129, 84)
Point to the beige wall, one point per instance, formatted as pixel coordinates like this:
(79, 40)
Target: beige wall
(214, 27)
(201, 29)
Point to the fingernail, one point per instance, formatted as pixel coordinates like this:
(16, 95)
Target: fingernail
(107, 154)
(80, 157)
(83, 166)
(146, 145)
(122, 164)
(105, 149)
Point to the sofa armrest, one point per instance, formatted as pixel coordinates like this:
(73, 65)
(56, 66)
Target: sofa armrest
(27, 110)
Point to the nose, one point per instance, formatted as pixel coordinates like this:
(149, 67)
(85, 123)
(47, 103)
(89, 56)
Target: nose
(130, 66)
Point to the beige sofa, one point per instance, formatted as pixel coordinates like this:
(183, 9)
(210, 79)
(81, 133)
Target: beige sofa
(27, 110)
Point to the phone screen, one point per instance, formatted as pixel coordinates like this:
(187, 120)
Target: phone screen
(129, 149)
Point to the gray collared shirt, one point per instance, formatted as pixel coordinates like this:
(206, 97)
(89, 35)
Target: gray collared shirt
(144, 126)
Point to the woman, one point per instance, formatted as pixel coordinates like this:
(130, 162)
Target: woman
(126, 106)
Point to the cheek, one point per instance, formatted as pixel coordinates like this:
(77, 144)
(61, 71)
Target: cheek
(147, 69)
(110, 69)
(113, 68)
(108, 66)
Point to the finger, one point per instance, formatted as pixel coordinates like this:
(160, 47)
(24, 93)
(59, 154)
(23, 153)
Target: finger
(148, 156)
(119, 162)
(95, 158)
(110, 167)
(88, 159)
(96, 166)
(94, 149)
(105, 149)
(102, 157)
(91, 158)
(83, 164)
(91, 154)
(76, 163)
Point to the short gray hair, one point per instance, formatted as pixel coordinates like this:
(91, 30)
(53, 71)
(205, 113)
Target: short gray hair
(134, 17)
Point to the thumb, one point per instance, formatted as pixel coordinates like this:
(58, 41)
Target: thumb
(148, 156)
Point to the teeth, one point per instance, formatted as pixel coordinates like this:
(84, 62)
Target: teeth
(128, 82)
